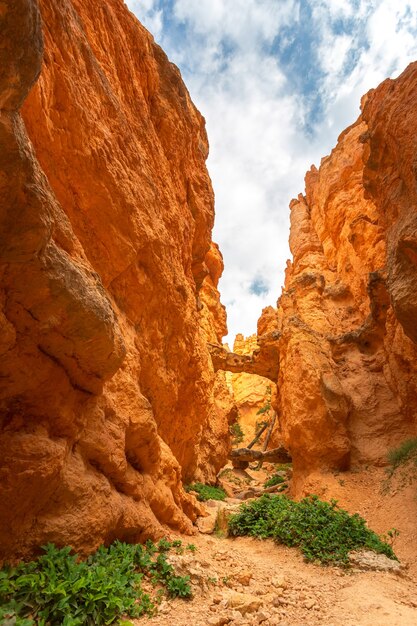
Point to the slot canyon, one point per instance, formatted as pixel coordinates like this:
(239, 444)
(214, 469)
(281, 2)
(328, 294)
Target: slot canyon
(116, 390)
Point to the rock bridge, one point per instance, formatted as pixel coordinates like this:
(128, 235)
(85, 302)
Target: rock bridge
(264, 361)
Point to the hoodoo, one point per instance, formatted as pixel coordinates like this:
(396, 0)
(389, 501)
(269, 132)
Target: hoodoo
(346, 320)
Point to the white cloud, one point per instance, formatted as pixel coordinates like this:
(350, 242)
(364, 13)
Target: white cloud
(150, 16)
(339, 47)
(246, 23)
(384, 42)
(259, 115)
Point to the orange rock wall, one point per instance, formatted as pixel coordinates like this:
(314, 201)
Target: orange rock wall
(347, 384)
(216, 443)
(106, 210)
(250, 393)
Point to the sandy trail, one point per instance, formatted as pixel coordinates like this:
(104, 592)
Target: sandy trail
(295, 593)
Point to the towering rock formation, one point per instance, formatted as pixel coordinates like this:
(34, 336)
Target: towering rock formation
(106, 384)
(216, 443)
(347, 319)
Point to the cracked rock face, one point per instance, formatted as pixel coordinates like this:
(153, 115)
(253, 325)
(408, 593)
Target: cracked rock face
(347, 382)
(106, 384)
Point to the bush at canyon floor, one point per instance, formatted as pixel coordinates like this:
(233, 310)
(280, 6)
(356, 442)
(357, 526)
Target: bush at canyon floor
(207, 492)
(324, 532)
(59, 589)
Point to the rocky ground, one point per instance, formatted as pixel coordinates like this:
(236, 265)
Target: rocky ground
(245, 582)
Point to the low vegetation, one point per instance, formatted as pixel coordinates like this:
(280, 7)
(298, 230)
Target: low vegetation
(237, 434)
(324, 532)
(275, 479)
(207, 492)
(407, 451)
(60, 589)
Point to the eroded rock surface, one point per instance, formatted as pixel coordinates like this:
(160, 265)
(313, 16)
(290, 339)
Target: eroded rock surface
(347, 316)
(253, 393)
(262, 360)
(106, 384)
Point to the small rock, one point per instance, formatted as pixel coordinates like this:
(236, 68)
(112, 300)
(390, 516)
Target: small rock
(218, 620)
(224, 513)
(243, 577)
(164, 607)
(368, 560)
(280, 581)
(243, 602)
(309, 604)
(207, 524)
(262, 616)
(217, 599)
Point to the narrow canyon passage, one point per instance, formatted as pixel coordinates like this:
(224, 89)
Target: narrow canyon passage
(117, 393)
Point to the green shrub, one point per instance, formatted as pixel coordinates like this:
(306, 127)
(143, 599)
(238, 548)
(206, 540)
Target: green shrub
(406, 451)
(207, 492)
(324, 532)
(237, 433)
(191, 547)
(58, 588)
(179, 586)
(276, 479)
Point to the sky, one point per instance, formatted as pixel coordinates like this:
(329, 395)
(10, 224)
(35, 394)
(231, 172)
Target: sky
(277, 81)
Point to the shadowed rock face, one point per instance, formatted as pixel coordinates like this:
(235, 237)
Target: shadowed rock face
(106, 384)
(347, 317)
(390, 178)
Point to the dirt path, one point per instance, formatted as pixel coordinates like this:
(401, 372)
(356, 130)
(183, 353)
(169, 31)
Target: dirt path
(279, 588)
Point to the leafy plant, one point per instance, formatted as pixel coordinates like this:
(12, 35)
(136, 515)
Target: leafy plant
(164, 545)
(207, 492)
(179, 586)
(323, 531)
(58, 588)
(191, 547)
(276, 479)
(391, 536)
(237, 433)
(405, 452)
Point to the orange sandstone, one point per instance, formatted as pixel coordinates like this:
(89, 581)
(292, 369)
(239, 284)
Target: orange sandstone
(347, 377)
(106, 384)
(251, 393)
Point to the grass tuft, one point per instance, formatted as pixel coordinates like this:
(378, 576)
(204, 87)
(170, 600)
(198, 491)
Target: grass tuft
(406, 451)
